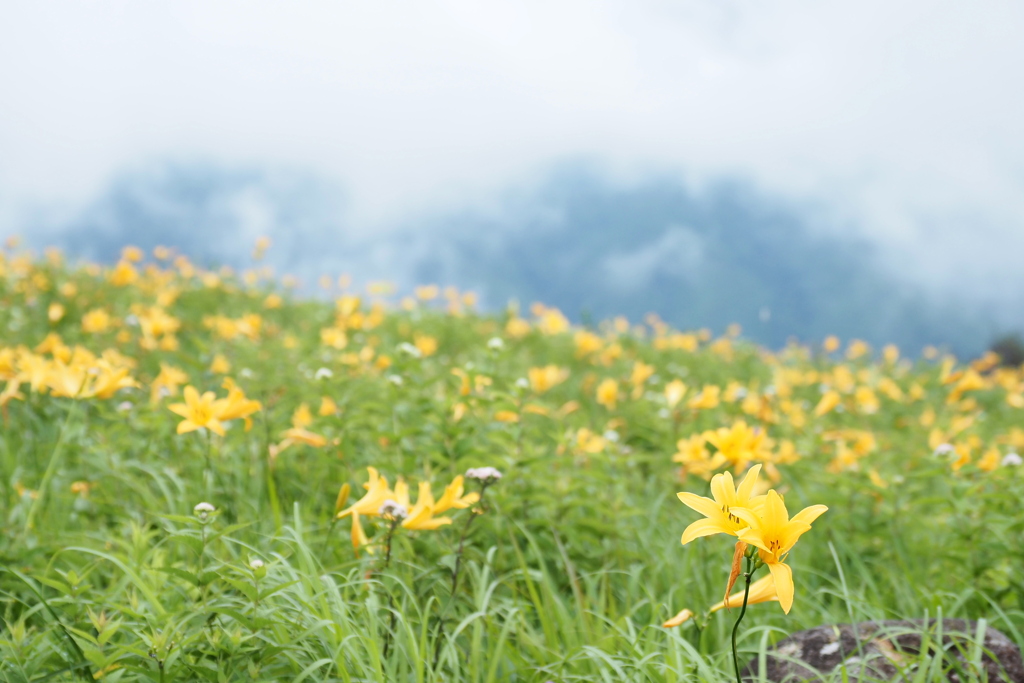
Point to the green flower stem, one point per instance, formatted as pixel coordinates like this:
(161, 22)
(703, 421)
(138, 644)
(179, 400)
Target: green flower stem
(51, 469)
(743, 610)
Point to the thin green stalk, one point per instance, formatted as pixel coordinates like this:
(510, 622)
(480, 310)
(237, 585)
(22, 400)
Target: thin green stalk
(455, 575)
(51, 469)
(736, 627)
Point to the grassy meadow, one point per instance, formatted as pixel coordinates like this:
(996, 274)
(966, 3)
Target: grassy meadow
(328, 512)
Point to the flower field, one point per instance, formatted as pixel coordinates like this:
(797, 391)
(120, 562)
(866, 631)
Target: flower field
(206, 477)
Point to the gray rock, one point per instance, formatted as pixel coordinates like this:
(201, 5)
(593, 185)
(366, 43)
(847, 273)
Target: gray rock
(888, 651)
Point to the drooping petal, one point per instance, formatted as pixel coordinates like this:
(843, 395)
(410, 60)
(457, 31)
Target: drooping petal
(704, 527)
(783, 576)
(681, 618)
(215, 426)
(179, 409)
(704, 506)
(762, 590)
(186, 426)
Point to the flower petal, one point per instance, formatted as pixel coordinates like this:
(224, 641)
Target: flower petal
(704, 527)
(783, 576)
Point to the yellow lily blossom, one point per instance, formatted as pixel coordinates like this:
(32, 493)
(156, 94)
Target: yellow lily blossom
(198, 411)
(421, 516)
(377, 491)
(762, 590)
(721, 513)
(237, 405)
(453, 497)
(774, 534)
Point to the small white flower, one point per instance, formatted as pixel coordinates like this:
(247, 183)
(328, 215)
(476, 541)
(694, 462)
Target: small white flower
(664, 413)
(483, 474)
(132, 320)
(256, 564)
(522, 383)
(406, 347)
(1012, 460)
(203, 510)
(496, 343)
(768, 391)
(611, 435)
(163, 392)
(246, 373)
(742, 392)
(124, 406)
(395, 379)
(393, 510)
(322, 373)
(943, 449)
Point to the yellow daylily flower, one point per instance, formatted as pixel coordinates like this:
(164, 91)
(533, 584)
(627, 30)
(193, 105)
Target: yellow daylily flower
(453, 497)
(421, 516)
(721, 513)
(198, 411)
(377, 491)
(775, 534)
(762, 590)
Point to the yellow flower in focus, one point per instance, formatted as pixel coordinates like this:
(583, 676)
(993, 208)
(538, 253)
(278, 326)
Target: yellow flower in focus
(608, 393)
(198, 411)
(721, 513)
(774, 534)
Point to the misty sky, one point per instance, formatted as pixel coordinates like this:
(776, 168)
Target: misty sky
(901, 121)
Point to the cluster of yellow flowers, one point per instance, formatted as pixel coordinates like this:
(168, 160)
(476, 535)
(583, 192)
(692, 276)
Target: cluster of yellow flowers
(760, 522)
(382, 501)
(59, 370)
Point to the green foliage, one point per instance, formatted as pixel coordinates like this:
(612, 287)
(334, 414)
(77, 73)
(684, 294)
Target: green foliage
(109, 573)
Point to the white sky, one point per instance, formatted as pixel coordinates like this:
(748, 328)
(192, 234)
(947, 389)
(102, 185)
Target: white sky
(905, 119)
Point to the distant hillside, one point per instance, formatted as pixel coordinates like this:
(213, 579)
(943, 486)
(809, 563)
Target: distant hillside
(577, 241)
